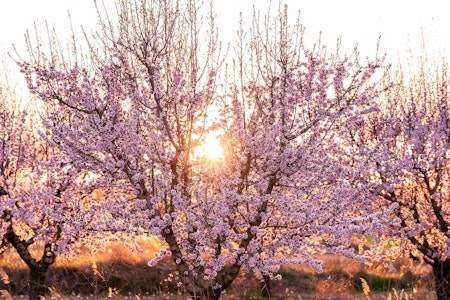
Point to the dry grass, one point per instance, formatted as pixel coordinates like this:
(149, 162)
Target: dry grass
(118, 273)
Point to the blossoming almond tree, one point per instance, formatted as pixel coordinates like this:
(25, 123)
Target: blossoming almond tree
(134, 114)
(402, 153)
(22, 225)
(42, 212)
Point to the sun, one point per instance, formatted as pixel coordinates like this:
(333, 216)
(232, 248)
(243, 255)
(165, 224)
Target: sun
(210, 147)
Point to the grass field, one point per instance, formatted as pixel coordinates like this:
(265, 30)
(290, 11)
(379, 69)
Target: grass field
(119, 273)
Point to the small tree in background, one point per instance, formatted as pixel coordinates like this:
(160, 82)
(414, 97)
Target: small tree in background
(20, 154)
(43, 213)
(133, 114)
(402, 155)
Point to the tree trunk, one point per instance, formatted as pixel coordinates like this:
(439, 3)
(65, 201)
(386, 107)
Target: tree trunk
(441, 272)
(36, 283)
(265, 286)
(208, 294)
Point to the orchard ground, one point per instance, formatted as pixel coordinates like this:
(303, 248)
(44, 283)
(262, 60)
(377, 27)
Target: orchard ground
(119, 273)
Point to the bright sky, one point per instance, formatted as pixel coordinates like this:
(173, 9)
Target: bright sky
(398, 22)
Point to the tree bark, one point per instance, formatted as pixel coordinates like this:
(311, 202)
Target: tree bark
(36, 282)
(265, 286)
(208, 294)
(38, 269)
(441, 272)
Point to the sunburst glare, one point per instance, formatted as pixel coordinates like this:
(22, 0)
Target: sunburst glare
(210, 147)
